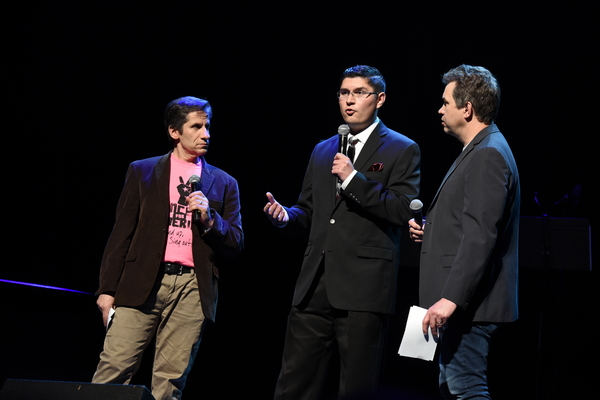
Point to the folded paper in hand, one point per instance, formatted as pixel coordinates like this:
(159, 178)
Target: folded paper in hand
(414, 344)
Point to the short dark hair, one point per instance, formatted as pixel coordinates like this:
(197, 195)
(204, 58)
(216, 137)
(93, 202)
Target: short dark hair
(177, 111)
(372, 74)
(477, 86)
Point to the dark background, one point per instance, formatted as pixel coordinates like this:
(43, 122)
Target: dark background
(84, 88)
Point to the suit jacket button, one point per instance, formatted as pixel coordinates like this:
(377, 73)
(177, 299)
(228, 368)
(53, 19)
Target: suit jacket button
(332, 221)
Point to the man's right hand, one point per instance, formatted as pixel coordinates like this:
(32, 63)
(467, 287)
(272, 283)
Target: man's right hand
(416, 231)
(105, 302)
(275, 212)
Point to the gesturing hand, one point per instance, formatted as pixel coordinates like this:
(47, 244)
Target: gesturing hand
(275, 212)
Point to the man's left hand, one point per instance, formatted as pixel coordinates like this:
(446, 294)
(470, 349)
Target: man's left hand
(198, 201)
(437, 316)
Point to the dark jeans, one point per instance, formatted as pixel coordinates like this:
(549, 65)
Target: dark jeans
(464, 359)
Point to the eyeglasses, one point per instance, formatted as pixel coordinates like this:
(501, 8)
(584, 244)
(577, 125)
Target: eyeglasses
(358, 94)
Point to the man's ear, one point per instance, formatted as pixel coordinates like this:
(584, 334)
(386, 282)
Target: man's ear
(174, 133)
(380, 99)
(468, 112)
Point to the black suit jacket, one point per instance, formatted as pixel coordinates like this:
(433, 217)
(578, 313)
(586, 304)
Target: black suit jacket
(469, 253)
(358, 235)
(131, 261)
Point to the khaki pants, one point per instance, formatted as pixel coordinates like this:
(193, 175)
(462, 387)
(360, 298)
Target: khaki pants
(174, 312)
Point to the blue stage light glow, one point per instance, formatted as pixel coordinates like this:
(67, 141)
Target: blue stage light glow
(45, 286)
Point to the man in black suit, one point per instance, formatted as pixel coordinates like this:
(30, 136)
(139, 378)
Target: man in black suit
(353, 211)
(469, 271)
(159, 272)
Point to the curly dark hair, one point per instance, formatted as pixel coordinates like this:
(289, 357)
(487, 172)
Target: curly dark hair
(475, 85)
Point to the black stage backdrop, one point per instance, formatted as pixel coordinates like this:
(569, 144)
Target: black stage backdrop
(83, 91)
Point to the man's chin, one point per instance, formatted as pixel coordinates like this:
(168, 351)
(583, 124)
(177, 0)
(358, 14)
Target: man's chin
(356, 126)
(200, 153)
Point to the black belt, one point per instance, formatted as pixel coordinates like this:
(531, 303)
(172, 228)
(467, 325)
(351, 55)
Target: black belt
(175, 269)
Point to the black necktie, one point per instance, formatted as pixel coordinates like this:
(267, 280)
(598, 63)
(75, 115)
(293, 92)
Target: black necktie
(352, 148)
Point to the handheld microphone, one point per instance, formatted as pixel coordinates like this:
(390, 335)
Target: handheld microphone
(416, 206)
(195, 183)
(343, 132)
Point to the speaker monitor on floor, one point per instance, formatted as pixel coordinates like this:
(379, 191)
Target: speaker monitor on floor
(17, 389)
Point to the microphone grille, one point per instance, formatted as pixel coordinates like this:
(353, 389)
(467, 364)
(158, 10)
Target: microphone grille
(416, 205)
(343, 130)
(194, 179)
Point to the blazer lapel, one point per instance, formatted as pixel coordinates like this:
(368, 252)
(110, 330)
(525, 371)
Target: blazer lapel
(207, 179)
(162, 175)
(375, 140)
(450, 171)
(476, 140)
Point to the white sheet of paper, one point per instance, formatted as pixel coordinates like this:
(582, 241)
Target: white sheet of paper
(414, 344)
(110, 315)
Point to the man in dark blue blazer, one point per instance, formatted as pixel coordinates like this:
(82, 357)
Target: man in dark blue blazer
(159, 272)
(353, 212)
(469, 260)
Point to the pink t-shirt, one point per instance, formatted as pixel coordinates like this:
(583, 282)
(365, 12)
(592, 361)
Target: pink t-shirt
(179, 237)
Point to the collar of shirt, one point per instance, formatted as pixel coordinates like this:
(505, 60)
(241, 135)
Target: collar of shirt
(363, 137)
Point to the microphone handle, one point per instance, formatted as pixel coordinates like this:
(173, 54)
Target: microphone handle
(342, 147)
(195, 213)
(418, 217)
(343, 144)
